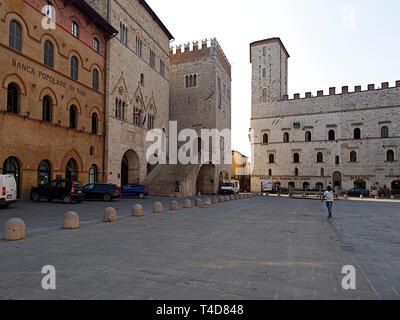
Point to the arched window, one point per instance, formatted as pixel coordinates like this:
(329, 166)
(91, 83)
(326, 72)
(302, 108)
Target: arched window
(48, 54)
(123, 33)
(292, 185)
(353, 156)
(195, 80)
(73, 117)
(96, 44)
(320, 157)
(142, 79)
(271, 158)
(357, 133)
(13, 98)
(331, 135)
(390, 156)
(265, 138)
(308, 136)
(306, 186)
(264, 72)
(264, 92)
(47, 109)
(319, 186)
(296, 172)
(91, 151)
(44, 172)
(286, 137)
(93, 174)
(74, 68)
(95, 79)
(384, 132)
(296, 158)
(75, 29)
(15, 35)
(94, 123)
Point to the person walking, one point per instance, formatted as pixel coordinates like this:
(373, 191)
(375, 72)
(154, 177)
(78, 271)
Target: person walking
(328, 196)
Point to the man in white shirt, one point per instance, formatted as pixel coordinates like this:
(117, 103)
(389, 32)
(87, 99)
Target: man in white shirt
(328, 196)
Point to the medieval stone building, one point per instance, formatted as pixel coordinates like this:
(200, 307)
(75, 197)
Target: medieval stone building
(52, 91)
(340, 139)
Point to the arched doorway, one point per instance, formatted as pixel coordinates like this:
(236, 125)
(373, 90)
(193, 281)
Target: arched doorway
(130, 168)
(319, 186)
(396, 187)
(93, 174)
(71, 170)
(226, 176)
(205, 183)
(44, 172)
(337, 179)
(11, 166)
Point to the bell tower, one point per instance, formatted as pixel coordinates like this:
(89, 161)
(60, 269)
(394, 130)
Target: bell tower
(269, 59)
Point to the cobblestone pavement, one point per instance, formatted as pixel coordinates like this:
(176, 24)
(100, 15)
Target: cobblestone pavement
(259, 248)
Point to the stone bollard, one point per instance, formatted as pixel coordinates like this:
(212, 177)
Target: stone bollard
(137, 211)
(198, 202)
(392, 197)
(71, 220)
(232, 197)
(237, 197)
(227, 198)
(215, 200)
(361, 196)
(221, 199)
(14, 230)
(187, 204)
(158, 207)
(110, 215)
(174, 205)
(241, 196)
(207, 201)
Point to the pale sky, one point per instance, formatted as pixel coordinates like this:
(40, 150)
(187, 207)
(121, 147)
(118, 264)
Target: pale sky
(331, 43)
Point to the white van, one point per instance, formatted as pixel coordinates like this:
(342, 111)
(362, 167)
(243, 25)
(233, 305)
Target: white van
(267, 186)
(8, 190)
(230, 187)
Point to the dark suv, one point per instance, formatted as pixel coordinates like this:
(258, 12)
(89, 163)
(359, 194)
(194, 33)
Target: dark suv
(65, 190)
(101, 191)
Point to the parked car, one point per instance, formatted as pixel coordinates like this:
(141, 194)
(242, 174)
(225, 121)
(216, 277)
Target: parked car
(135, 190)
(101, 191)
(65, 190)
(8, 193)
(356, 192)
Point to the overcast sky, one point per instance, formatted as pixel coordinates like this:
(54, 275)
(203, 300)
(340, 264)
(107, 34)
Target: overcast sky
(331, 43)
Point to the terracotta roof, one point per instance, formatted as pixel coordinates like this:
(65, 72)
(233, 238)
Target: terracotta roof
(266, 41)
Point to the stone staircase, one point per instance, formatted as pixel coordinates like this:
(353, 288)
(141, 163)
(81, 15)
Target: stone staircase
(162, 180)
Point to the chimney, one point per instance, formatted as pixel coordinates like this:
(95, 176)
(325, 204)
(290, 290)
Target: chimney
(285, 97)
(296, 96)
(332, 91)
(320, 93)
(385, 85)
(308, 95)
(397, 83)
(345, 90)
(357, 89)
(371, 87)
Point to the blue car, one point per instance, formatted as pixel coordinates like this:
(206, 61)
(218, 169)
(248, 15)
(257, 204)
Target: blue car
(135, 190)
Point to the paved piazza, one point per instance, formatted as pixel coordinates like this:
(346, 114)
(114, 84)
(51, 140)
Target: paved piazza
(259, 248)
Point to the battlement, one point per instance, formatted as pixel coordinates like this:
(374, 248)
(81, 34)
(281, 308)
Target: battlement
(345, 90)
(190, 51)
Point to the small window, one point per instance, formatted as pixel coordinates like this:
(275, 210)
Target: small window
(296, 158)
(308, 136)
(265, 138)
(264, 72)
(75, 29)
(162, 68)
(384, 132)
(286, 137)
(357, 133)
(48, 54)
(138, 46)
(91, 151)
(123, 33)
(94, 123)
(142, 79)
(15, 35)
(353, 156)
(74, 68)
(95, 79)
(390, 156)
(322, 172)
(46, 109)
(331, 135)
(270, 172)
(73, 117)
(271, 158)
(264, 92)
(320, 157)
(13, 98)
(96, 44)
(152, 59)
(337, 160)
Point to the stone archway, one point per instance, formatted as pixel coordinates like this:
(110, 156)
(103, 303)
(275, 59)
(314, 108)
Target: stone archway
(205, 182)
(71, 170)
(12, 166)
(130, 168)
(337, 179)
